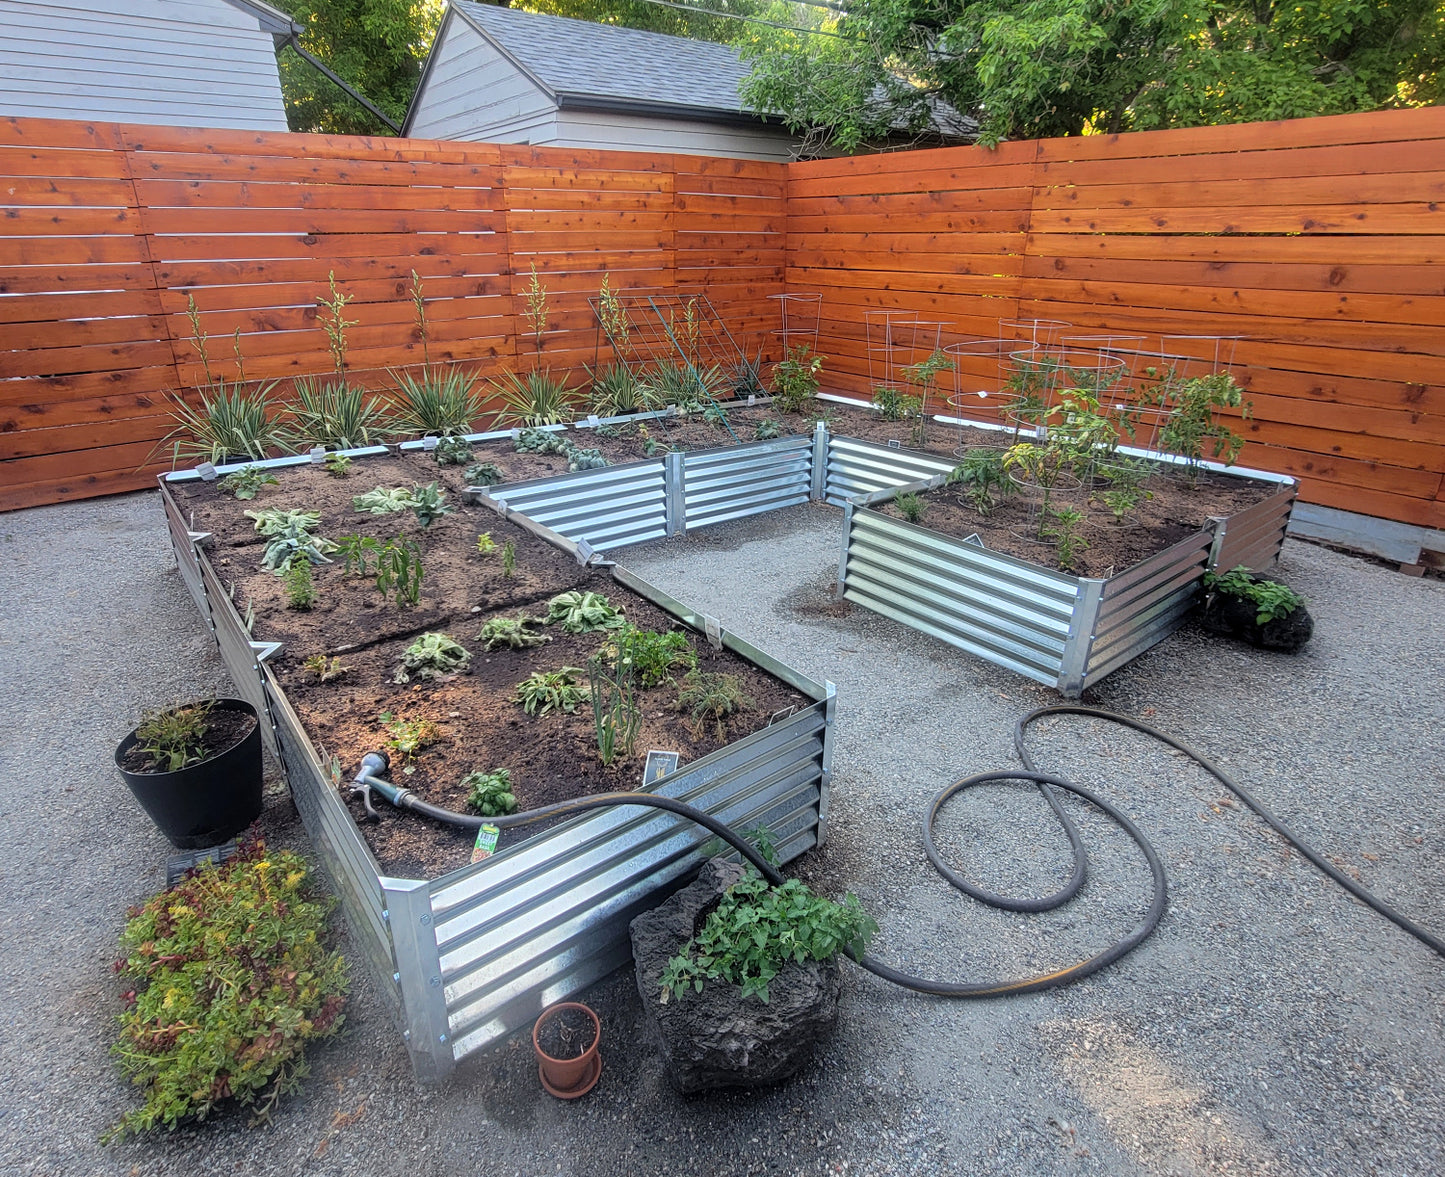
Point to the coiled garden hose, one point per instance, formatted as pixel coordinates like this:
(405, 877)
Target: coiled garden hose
(375, 762)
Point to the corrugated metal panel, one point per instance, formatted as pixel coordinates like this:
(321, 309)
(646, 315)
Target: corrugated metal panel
(235, 646)
(733, 483)
(186, 560)
(1145, 604)
(609, 508)
(1003, 609)
(1253, 537)
(348, 861)
(862, 467)
(542, 921)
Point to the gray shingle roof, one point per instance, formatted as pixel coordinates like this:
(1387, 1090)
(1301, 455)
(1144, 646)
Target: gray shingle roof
(580, 59)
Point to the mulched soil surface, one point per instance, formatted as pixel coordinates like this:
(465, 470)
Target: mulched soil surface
(551, 758)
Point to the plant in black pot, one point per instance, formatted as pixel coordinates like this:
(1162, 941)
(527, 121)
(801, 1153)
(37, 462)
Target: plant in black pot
(1262, 612)
(196, 770)
(740, 979)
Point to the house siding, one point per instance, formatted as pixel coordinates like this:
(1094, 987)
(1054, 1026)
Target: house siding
(473, 93)
(185, 63)
(624, 132)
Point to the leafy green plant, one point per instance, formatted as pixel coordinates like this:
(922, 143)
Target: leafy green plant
(429, 504)
(246, 482)
(290, 534)
(984, 480)
(407, 737)
(232, 982)
(612, 682)
(432, 656)
(300, 586)
(534, 440)
(656, 655)
(548, 690)
(752, 934)
(910, 506)
(383, 501)
(482, 474)
(486, 545)
(716, 416)
(715, 697)
(614, 391)
(1063, 526)
(442, 404)
(584, 612)
(395, 565)
(275, 520)
(509, 559)
(324, 669)
(795, 379)
(894, 404)
(1272, 600)
(490, 793)
(768, 429)
(1193, 421)
(924, 376)
(337, 415)
(337, 465)
(539, 398)
(176, 737)
(512, 633)
(452, 451)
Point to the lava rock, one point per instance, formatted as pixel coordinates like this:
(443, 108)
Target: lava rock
(718, 1038)
(1236, 617)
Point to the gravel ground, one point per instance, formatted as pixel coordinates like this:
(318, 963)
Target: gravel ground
(1272, 1025)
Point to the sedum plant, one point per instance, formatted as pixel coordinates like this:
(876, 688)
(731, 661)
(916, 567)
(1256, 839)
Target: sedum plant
(616, 713)
(486, 545)
(490, 793)
(551, 690)
(432, 656)
(512, 633)
(246, 482)
(757, 929)
(337, 465)
(232, 982)
(583, 612)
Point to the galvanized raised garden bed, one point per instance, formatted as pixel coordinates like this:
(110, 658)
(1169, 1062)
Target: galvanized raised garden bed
(470, 957)
(1065, 631)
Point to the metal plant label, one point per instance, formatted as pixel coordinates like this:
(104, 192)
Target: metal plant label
(585, 552)
(593, 420)
(207, 472)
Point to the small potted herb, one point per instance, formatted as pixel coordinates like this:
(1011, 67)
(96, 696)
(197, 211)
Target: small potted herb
(196, 770)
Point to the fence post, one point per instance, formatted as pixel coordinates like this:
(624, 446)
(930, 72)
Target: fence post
(674, 490)
(820, 462)
(419, 973)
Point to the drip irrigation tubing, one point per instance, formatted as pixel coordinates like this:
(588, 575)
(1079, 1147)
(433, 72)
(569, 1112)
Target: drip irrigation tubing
(1048, 785)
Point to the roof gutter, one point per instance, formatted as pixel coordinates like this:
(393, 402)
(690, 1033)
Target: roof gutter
(704, 114)
(334, 78)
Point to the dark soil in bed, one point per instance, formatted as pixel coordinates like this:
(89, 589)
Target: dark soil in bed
(550, 758)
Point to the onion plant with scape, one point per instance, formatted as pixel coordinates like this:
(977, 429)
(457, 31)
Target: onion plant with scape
(758, 929)
(205, 1022)
(612, 683)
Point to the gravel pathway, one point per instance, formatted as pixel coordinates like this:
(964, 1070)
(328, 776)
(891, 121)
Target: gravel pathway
(1272, 1025)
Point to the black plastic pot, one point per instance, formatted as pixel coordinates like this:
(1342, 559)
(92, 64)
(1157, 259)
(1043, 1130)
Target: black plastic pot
(203, 804)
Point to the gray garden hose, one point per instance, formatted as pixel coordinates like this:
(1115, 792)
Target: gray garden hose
(376, 762)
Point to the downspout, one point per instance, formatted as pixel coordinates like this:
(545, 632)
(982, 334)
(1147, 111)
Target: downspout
(320, 65)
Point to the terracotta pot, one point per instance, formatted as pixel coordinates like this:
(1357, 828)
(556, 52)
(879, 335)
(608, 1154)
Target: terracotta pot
(568, 1078)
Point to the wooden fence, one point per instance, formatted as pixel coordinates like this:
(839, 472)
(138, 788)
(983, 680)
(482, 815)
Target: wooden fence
(1319, 241)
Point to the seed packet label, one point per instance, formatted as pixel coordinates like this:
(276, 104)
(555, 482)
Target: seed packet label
(593, 420)
(317, 454)
(486, 843)
(207, 472)
(429, 442)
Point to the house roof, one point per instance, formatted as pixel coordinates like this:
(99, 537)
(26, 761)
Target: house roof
(580, 63)
(272, 20)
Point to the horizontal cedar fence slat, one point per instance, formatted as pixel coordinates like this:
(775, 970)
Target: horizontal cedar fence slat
(1318, 241)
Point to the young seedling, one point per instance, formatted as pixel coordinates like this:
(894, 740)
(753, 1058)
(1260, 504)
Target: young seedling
(246, 482)
(584, 612)
(324, 669)
(509, 559)
(1063, 526)
(300, 587)
(428, 504)
(768, 429)
(486, 545)
(337, 465)
(407, 737)
(512, 633)
(490, 793)
(712, 696)
(432, 656)
(911, 507)
(544, 691)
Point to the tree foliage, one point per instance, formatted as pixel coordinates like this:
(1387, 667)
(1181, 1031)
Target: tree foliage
(1035, 68)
